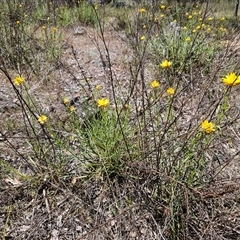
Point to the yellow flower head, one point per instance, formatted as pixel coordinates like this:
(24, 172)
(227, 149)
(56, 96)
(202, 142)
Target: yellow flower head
(163, 7)
(98, 87)
(184, 28)
(18, 22)
(142, 10)
(231, 79)
(188, 39)
(142, 38)
(162, 15)
(18, 80)
(103, 102)
(210, 19)
(208, 127)
(222, 19)
(190, 17)
(42, 119)
(170, 91)
(66, 101)
(154, 84)
(72, 109)
(166, 64)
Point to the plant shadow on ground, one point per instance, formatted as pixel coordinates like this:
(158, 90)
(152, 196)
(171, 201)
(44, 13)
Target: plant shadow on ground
(127, 129)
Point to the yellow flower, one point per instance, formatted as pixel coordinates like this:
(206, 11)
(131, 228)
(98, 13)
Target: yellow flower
(44, 27)
(154, 84)
(162, 15)
(194, 30)
(210, 19)
(190, 17)
(103, 102)
(162, 6)
(184, 28)
(200, 19)
(222, 19)
(42, 119)
(175, 20)
(170, 91)
(156, 19)
(54, 29)
(195, 13)
(142, 38)
(209, 29)
(142, 10)
(198, 27)
(208, 127)
(188, 39)
(72, 109)
(66, 101)
(144, 26)
(18, 80)
(231, 79)
(166, 64)
(18, 22)
(98, 87)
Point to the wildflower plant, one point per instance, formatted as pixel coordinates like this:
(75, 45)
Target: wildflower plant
(156, 139)
(183, 42)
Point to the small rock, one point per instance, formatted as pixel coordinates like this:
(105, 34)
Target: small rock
(55, 234)
(79, 31)
(24, 228)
